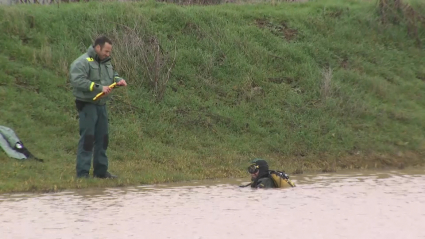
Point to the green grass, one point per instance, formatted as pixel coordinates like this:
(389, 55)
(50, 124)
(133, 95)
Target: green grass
(310, 86)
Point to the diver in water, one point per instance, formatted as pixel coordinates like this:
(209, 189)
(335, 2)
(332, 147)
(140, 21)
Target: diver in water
(259, 170)
(262, 177)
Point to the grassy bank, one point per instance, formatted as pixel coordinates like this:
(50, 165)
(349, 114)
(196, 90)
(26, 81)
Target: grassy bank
(312, 86)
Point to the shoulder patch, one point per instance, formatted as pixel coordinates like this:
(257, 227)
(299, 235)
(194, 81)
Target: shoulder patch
(89, 59)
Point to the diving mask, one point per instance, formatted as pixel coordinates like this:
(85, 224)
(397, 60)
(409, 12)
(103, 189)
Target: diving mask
(253, 168)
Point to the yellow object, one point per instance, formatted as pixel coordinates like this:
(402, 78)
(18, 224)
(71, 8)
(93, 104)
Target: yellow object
(281, 182)
(89, 59)
(101, 93)
(91, 86)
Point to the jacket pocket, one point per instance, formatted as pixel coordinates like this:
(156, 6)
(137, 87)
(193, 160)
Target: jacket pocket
(94, 72)
(110, 72)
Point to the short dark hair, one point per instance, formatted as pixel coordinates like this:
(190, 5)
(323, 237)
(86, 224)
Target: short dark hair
(101, 41)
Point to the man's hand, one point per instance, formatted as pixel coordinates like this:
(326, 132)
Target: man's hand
(122, 83)
(106, 90)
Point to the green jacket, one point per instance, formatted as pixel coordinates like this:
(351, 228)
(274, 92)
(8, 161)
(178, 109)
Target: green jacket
(8, 140)
(88, 75)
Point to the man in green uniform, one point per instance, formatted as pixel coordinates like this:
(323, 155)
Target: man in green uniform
(91, 74)
(259, 170)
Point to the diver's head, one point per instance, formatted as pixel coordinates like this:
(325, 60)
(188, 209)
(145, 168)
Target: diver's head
(258, 167)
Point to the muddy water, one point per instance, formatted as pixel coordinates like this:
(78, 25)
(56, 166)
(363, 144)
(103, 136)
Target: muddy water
(378, 204)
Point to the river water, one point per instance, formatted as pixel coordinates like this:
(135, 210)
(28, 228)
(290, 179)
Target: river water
(358, 205)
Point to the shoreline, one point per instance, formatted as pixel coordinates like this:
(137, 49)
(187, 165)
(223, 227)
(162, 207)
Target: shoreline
(350, 164)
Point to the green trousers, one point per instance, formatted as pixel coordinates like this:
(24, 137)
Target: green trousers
(94, 140)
